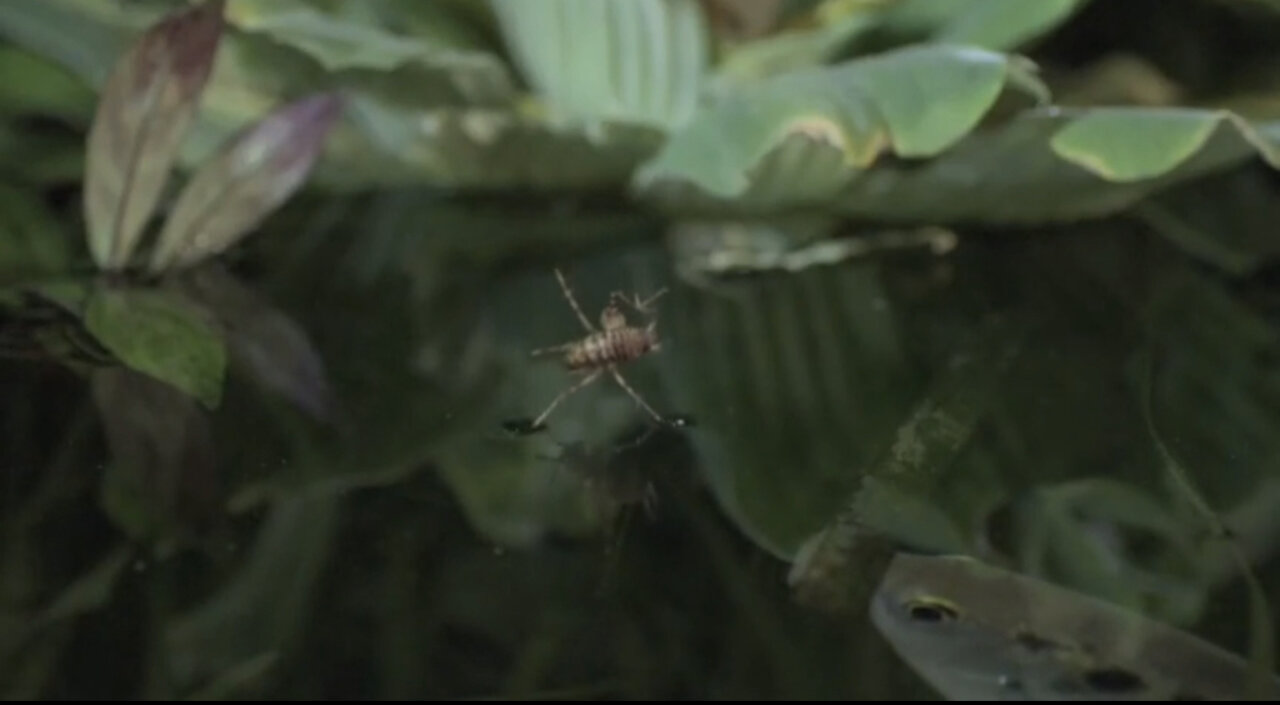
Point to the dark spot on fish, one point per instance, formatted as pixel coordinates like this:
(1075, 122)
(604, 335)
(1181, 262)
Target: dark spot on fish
(522, 427)
(1113, 680)
(931, 611)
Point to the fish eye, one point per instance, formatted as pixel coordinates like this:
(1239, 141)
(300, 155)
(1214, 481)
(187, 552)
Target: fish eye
(931, 610)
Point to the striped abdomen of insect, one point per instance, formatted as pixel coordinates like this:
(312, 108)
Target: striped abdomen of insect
(611, 347)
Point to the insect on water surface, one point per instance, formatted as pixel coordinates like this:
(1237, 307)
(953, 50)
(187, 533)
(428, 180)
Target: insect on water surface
(602, 350)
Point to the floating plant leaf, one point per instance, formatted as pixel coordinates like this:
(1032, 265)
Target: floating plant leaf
(1017, 173)
(248, 180)
(159, 335)
(493, 149)
(913, 102)
(341, 43)
(1132, 144)
(146, 108)
(991, 24)
(642, 62)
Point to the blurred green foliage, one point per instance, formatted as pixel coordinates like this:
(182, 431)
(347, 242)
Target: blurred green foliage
(284, 473)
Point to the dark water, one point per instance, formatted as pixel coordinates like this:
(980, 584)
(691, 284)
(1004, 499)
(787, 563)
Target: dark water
(354, 521)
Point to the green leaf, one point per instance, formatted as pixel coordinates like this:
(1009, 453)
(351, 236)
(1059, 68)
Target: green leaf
(491, 149)
(32, 242)
(341, 43)
(1133, 144)
(147, 106)
(41, 159)
(1011, 174)
(992, 24)
(912, 103)
(252, 176)
(160, 336)
(82, 35)
(999, 25)
(641, 61)
(792, 49)
(33, 85)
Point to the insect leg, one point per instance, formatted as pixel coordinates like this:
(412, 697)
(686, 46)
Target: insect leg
(634, 301)
(644, 305)
(553, 350)
(568, 295)
(622, 382)
(565, 395)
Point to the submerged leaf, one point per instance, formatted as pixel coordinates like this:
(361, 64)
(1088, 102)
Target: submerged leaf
(826, 385)
(162, 477)
(829, 570)
(252, 176)
(253, 617)
(264, 341)
(146, 108)
(91, 590)
(1226, 220)
(159, 335)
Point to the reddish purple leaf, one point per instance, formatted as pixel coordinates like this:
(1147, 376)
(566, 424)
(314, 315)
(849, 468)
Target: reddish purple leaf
(146, 107)
(263, 341)
(253, 175)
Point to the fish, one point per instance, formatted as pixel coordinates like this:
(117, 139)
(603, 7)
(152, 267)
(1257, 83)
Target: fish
(977, 632)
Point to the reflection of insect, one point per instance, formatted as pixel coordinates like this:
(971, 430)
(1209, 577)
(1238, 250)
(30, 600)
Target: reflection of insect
(616, 477)
(601, 351)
